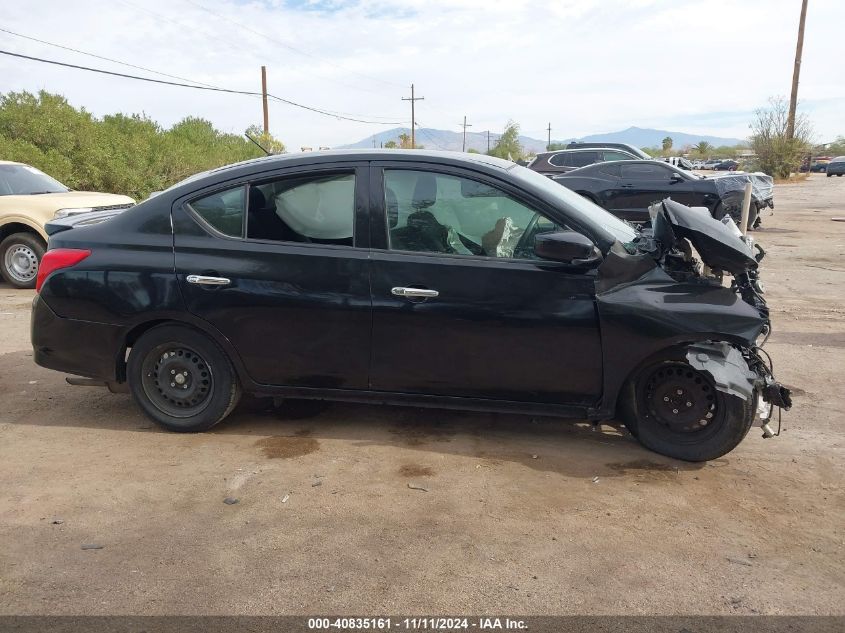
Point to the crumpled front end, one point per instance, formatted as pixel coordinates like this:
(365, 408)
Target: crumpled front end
(742, 372)
(667, 289)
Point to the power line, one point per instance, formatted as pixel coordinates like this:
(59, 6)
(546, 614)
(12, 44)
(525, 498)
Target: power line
(108, 59)
(288, 46)
(196, 87)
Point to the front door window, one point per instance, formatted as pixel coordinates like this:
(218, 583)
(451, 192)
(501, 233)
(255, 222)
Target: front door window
(440, 213)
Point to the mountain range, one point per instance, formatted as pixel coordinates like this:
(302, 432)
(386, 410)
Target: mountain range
(431, 138)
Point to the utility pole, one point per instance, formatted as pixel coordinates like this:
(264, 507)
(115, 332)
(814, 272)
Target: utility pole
(264, 99)
(413, 118)
(549, 130)
(793, 99)
(465, 126)
(488, 141)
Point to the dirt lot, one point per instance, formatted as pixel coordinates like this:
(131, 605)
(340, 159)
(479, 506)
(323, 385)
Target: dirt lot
(514, 520)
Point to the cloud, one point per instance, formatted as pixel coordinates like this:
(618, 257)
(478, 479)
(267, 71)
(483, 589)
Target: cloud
(586, 66)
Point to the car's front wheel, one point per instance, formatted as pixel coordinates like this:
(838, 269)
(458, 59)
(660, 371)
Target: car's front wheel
(676, 410)
(182, 379)
(20, 255)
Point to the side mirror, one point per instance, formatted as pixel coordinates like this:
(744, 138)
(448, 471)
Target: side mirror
(568, 247)
(676, 178)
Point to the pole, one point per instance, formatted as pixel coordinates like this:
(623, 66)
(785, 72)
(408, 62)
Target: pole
(549, 144)
(465, 126)
(488, 141)
(413, 118)
(746, 207)
(264, 99)
(793, 98)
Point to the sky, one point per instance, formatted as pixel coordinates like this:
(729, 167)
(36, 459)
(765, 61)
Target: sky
(583, 66)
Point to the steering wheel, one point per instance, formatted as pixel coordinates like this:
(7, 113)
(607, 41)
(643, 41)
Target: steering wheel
(525, 245)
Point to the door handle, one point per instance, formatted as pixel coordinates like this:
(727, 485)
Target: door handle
(627, 186)
(204, 280)
(425, 293)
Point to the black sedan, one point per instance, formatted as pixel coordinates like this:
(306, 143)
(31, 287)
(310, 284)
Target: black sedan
(409, 277)
(628, 188)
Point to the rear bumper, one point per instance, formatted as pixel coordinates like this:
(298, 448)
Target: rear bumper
(82, 348)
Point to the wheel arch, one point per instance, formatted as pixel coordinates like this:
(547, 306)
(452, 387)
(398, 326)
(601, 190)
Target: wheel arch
(137, 330)
(19, 226)
(620, 389)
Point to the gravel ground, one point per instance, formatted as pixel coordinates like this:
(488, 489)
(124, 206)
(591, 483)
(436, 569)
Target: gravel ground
(516, 515)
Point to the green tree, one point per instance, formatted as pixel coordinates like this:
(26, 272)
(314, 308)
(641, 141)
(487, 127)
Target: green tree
(667, 143)
(120, 153)
(702, 148)
(556, 146)
(390, 145)
(508, 145)
(778, 155)
(267, 141)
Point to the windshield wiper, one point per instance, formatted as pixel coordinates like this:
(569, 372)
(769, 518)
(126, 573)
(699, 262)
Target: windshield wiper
(36, 193)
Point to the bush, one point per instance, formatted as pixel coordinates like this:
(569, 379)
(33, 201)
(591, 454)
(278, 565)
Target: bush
(778, 155)
(128, 154)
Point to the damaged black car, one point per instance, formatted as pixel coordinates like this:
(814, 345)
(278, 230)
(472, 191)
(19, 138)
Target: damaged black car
(412, 278)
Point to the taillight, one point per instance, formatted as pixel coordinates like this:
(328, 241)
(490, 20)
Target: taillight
(56, 259)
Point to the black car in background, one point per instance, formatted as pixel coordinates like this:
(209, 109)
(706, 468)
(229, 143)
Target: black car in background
(625, 147)
(726, 165)
(565, 160)
(836, 167)
(628, 188)
(410, 277)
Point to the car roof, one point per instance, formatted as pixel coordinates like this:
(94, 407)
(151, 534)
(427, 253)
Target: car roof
(275, 161)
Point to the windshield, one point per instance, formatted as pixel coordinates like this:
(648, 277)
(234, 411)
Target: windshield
(23, 180)
(577, 204)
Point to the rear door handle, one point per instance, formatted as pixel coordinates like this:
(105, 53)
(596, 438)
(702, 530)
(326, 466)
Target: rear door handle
(425, 293)
(204, 280)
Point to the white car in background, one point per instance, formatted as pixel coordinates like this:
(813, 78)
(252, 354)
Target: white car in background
(29, 199)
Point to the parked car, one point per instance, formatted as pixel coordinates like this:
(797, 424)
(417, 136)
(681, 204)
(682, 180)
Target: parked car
(410, 277)
(564, 160)
(29, 199)
(698, 164)
(678, 161)
(710, 164)
(628, 188)
(626, 147)
(726, 165)
(836, 167)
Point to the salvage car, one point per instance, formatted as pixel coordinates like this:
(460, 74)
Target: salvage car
(29, 199)
(411, 277)
(628, 188)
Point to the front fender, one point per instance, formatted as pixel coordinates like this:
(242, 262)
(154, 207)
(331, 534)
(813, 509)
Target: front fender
(641, 317)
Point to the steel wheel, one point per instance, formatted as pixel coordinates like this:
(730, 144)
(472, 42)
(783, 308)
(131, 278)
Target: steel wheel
(177, 380)
(682, 400)
(21, 263)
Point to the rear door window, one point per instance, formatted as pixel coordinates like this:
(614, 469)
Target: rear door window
(222, 210)
(582, 159)
(310, 208)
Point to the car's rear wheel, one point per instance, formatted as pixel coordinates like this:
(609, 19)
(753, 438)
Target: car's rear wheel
(676, 410)
(733, 207)
(20, 255)
(182, 379)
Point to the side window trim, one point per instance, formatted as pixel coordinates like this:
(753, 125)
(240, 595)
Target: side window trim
(361, 211)
(186, 205)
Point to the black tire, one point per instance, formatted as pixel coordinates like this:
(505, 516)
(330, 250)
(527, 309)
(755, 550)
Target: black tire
(710, 423)
(20, 256)
(733, 207)
(829, 175)
(207, 389)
